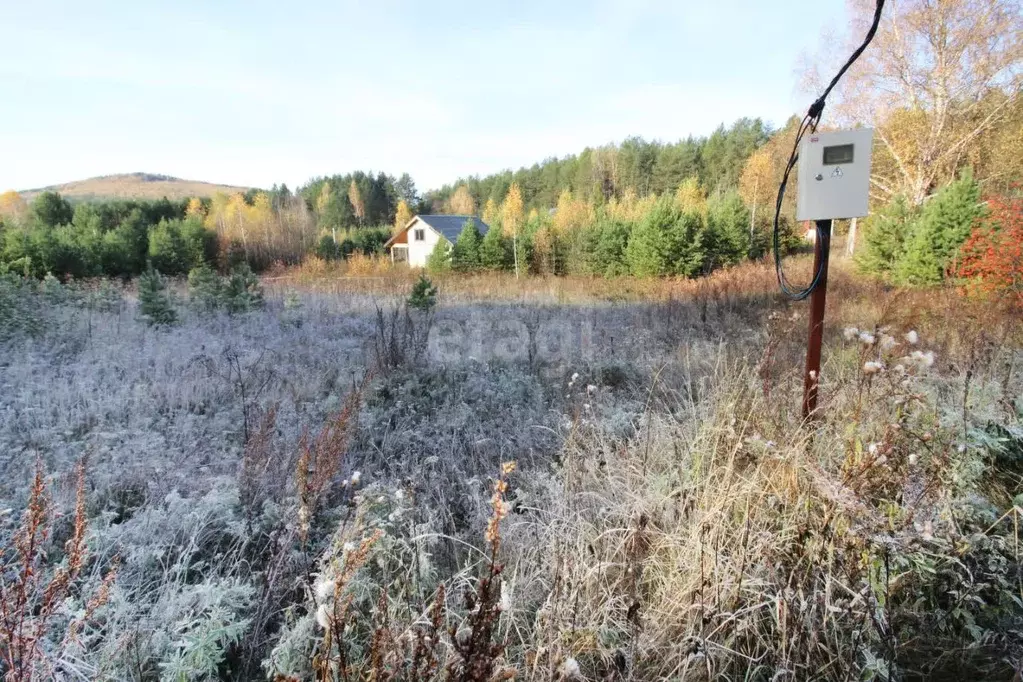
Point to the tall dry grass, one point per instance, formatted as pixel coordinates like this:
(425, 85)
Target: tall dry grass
(688, 525)
(376, 274)
(728, 539)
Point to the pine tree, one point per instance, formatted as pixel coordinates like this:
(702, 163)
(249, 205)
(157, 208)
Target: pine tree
(439, 260)
(424, 294)
(243, 292)
(728, 230)
(154, 301)
(205, 289)
(52, 290)
(690, 247)
(167, 250)
(667, 241)
(611, 241)
(465, 254)
(945, 223)
(884, 237)
(495, 250)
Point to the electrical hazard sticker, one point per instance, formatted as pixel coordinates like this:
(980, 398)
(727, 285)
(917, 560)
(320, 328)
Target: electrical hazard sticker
(837, 173)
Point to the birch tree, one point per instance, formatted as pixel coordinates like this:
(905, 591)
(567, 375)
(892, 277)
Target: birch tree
(938, 77)
(358, 205)
(511, 219)
(13, 206)
(402, 215)
(461, 202)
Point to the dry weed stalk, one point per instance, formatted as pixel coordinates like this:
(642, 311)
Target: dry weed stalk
(332, 661)
(322, 458)
(478, 653)
(31, 594)
(425, 660)
(257, 459)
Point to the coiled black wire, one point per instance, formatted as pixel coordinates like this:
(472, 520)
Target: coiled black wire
(809, 123)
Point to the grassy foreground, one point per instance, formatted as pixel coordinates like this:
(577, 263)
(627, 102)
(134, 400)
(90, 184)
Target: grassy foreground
(319, 491)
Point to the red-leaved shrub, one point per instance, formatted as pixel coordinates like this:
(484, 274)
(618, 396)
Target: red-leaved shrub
(991, 260)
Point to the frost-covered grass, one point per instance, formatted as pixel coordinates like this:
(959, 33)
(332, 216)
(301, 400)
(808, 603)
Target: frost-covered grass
(669, 517)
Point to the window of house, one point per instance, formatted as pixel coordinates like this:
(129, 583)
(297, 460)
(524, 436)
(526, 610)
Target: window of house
(419, 234)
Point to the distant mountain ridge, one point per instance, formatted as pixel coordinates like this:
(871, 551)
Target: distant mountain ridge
(133, 186)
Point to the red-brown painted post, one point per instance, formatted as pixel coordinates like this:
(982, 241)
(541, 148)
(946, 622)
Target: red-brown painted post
(812, 376)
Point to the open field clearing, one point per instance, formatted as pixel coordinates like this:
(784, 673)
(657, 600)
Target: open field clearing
(325, 482)
(551, 342)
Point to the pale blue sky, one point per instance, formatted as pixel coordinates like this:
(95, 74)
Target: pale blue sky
(254, 93)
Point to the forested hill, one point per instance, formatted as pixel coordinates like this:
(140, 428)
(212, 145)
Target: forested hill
(637, 164)
(133, 186)
(593, 174)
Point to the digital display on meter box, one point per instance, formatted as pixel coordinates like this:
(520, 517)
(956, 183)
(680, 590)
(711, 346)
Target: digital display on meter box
(840, 153)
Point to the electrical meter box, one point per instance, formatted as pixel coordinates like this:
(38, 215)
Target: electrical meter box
(834, 174)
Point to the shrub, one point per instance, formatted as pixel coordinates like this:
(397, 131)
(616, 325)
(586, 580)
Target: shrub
(992, 258)
(369, 240)
(52, 290)
(104, 297)
(400, 338)
(328, 249)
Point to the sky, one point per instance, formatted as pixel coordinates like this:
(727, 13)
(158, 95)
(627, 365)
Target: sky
(256, 93)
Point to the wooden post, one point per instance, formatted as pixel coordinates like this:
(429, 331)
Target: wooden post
(811, 379)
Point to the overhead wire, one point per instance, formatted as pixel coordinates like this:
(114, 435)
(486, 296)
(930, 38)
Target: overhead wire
(809, 123)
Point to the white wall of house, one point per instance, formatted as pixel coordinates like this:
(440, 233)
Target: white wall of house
(420, 250)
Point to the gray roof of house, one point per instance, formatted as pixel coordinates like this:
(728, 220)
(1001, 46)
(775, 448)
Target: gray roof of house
(451, 225)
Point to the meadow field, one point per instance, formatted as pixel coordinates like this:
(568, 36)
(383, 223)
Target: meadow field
(551, 478)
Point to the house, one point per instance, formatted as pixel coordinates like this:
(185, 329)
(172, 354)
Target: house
(417, 240)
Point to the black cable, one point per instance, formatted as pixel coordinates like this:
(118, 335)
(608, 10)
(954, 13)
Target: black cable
(810, 122)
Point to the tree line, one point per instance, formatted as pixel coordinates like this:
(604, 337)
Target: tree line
(121, 238)
(948, 144)
(683, 233)
(600, 174)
